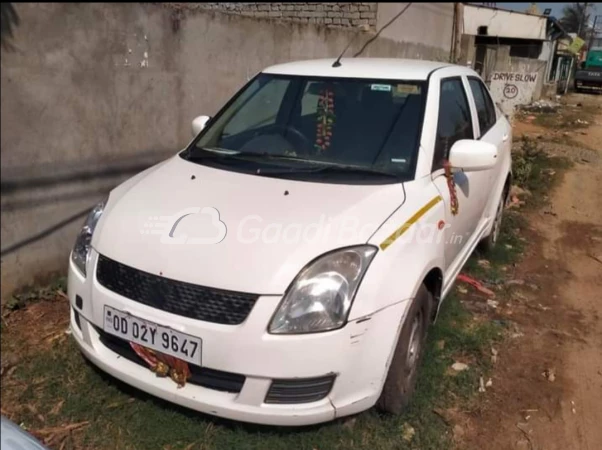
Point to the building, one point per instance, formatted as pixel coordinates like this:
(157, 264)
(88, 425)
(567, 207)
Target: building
(513, 51)
(562, 64)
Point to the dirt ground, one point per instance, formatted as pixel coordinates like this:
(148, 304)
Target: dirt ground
(547, 382)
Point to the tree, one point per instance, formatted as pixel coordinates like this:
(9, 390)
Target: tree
(533, 9)
(9, 19)
(575, 19)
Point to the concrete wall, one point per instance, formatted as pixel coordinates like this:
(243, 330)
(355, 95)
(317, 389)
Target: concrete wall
(547, 50)
(95, 93)
(335, 15)
(428, 24)
(467, 52)
(516, 81)
(502, 23)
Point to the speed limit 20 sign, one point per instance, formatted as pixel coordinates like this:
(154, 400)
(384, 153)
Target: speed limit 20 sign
(510, 91)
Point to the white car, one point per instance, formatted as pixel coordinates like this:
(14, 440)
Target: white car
(13, 437)
(284, 267)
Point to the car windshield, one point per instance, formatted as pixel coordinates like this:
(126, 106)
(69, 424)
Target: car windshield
(295, 121)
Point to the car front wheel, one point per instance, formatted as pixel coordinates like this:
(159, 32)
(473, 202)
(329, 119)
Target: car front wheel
(401, 379)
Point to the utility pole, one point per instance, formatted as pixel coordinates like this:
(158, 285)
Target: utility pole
(582, 19)
(594, 33)
(456, 46)
(576, 57)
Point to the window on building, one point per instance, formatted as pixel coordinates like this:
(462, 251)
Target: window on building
(485, 108)
(526, 49)
(454, 122)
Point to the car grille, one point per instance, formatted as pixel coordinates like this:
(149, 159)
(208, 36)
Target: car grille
(176, 297)
(201, 376)
(300, 390)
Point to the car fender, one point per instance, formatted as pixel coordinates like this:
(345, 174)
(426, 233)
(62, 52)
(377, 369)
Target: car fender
(118, 192)
(399, 267)
(389, 286)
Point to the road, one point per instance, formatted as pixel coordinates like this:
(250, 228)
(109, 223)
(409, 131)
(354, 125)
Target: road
(547, 391)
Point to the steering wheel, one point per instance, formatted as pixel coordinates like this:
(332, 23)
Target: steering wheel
(306, 146)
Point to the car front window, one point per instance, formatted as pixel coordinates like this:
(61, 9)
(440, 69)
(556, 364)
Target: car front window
(371, 124)
(454, 122)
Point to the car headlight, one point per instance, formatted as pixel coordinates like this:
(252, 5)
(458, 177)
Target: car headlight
(320, 297)
(81, 249)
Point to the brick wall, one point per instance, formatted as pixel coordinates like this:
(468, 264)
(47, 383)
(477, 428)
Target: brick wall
(334, 15)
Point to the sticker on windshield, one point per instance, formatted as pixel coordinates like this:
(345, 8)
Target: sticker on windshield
(381, 87)
(407, 89)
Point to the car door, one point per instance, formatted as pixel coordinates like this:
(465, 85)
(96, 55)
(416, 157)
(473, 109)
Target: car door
(492, 129)
(455, 122)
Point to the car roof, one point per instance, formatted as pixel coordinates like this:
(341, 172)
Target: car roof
(379, 68)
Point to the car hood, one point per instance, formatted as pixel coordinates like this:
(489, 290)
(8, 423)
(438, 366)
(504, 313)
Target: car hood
(235, 231)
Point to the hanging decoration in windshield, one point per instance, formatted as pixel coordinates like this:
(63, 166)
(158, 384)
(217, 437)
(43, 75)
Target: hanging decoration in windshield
(325, 120)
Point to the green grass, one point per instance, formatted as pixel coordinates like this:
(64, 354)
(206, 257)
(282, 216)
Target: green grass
(535, 170)
(123, 418)
(117, 421)
(21, 299)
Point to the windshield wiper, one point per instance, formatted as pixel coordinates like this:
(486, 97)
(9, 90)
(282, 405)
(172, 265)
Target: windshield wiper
(210, 153)
(207, 153)
(341, 168)
(311, 166)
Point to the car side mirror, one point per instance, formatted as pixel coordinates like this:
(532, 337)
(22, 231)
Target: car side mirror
(198, 124)
(471, 156)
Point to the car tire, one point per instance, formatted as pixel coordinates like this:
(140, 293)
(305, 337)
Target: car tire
(489, 243)
(407, 357)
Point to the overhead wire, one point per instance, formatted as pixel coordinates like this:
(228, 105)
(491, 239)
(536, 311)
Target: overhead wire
(369, 41)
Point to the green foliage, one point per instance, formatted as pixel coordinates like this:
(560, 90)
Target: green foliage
(534, 170)
(34, 294)
(576, 18)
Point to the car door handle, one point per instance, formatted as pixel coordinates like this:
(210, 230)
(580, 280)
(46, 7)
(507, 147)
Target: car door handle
(505, 137)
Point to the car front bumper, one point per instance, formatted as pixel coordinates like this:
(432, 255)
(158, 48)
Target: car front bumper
(358, 355)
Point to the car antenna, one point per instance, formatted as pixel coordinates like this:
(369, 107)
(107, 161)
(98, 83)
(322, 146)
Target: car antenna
(337, 63)
(369, 41)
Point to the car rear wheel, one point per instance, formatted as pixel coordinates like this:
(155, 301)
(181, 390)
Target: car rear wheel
(401, 379)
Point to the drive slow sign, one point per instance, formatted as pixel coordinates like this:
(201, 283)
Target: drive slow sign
(515, 76)
(510, 89)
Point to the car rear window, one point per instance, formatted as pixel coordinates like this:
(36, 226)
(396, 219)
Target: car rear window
(485, 108)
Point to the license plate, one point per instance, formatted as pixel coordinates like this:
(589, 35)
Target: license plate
(151, 335)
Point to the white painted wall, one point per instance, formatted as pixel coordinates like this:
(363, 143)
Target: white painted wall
(510, 89)
(546, 50)
(503, 23)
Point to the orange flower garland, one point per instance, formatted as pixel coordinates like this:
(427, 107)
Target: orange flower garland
(325, 120)
(164, 365)
(451, 184)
